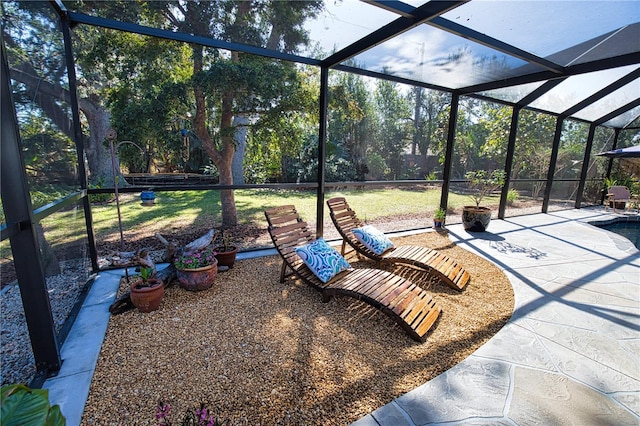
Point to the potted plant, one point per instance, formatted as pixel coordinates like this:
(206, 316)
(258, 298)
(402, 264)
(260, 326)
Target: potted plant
(197, 270)
(481, 183)
(147, 290)
(439, 217)
(226, 251)
(148, 197)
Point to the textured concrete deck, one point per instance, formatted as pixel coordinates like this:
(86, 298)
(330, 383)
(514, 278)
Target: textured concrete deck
(569, 355)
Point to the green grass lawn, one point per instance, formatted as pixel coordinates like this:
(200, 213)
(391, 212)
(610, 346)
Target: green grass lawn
(199, 208)
(177, 210)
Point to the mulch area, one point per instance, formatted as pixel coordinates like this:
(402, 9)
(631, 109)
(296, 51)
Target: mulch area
(259, 352)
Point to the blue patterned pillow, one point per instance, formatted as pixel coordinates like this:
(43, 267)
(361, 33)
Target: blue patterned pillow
(372, 238)
(322, 259)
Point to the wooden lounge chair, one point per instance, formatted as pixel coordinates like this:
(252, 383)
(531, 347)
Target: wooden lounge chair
(403, 301)
(432, 261)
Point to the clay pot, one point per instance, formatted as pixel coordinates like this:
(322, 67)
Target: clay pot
(226, 258)
(147, 298)
(198, 279)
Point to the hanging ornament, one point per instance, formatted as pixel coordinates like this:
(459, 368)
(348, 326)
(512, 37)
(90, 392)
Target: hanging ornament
(185, 140)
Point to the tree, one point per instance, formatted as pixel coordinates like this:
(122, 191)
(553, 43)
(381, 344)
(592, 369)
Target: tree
(278, 137)
(351, 122)
(36, 58)
(393, 115)
(430, 118)
(234, 84)
(149, 98)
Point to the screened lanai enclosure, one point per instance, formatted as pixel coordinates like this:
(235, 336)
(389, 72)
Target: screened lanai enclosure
(224, 108)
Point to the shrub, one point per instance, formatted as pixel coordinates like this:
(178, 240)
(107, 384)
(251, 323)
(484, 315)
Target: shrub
(512, 196)
(482, 183)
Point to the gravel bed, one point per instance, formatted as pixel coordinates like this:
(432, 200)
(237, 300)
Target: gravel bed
(18, 363)
(260, 352)
(15, 348)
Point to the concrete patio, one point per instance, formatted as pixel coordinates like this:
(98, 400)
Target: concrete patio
(569, 355)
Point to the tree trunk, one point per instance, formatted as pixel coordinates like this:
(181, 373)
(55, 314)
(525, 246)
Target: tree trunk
(223, 156)
(417, 122)
(98, 118)
(99, 155)
(240, 123)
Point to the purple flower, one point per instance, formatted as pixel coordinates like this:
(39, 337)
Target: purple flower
(162, 411)
(199, 259)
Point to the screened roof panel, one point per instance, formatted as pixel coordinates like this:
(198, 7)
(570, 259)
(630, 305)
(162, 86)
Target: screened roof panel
(500, 49)
(512, 93)
(636, 122)
(579, 87)
(342, 23)
(624, 119)
(611, 102)
(432, 56)
(546, 28)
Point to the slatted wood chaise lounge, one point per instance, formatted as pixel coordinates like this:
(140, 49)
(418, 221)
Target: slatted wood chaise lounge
(403, 301)
(429, 260)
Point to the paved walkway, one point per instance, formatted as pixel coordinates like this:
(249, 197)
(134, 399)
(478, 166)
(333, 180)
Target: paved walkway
(569, 355)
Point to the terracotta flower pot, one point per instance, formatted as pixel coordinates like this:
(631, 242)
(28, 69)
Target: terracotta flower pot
(198, 279)
(147, 298)
(226, 258)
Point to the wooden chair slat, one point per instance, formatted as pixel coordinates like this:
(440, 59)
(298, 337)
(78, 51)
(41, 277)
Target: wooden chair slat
(431, 261)
(381, 289)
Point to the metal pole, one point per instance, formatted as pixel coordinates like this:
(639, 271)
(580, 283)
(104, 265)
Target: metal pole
(511, 148)
(585, 166)
(115, 190)
(322, 141)
(552, 164)
(27, 260)
(448, 157)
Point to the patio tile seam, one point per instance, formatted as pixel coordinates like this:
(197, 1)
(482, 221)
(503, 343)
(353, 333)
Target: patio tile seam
(588, 286)
(565, 303)
(580, 355)
(510, 390)
(617, 396)
(512, 365)
(403, 412)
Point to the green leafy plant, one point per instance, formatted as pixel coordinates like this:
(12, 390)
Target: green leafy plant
(440, 214)
(146, 273)
(431, 176)
(146, 279)
(609, 182)
(483, 182)
(193, 417)
(99, 198)
(198, 259)
(21, 405)
(512, 196)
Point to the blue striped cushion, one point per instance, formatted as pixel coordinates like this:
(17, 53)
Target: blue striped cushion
(372, 238)
(323, 260)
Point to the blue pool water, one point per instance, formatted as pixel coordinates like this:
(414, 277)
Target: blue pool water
(628, 229)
